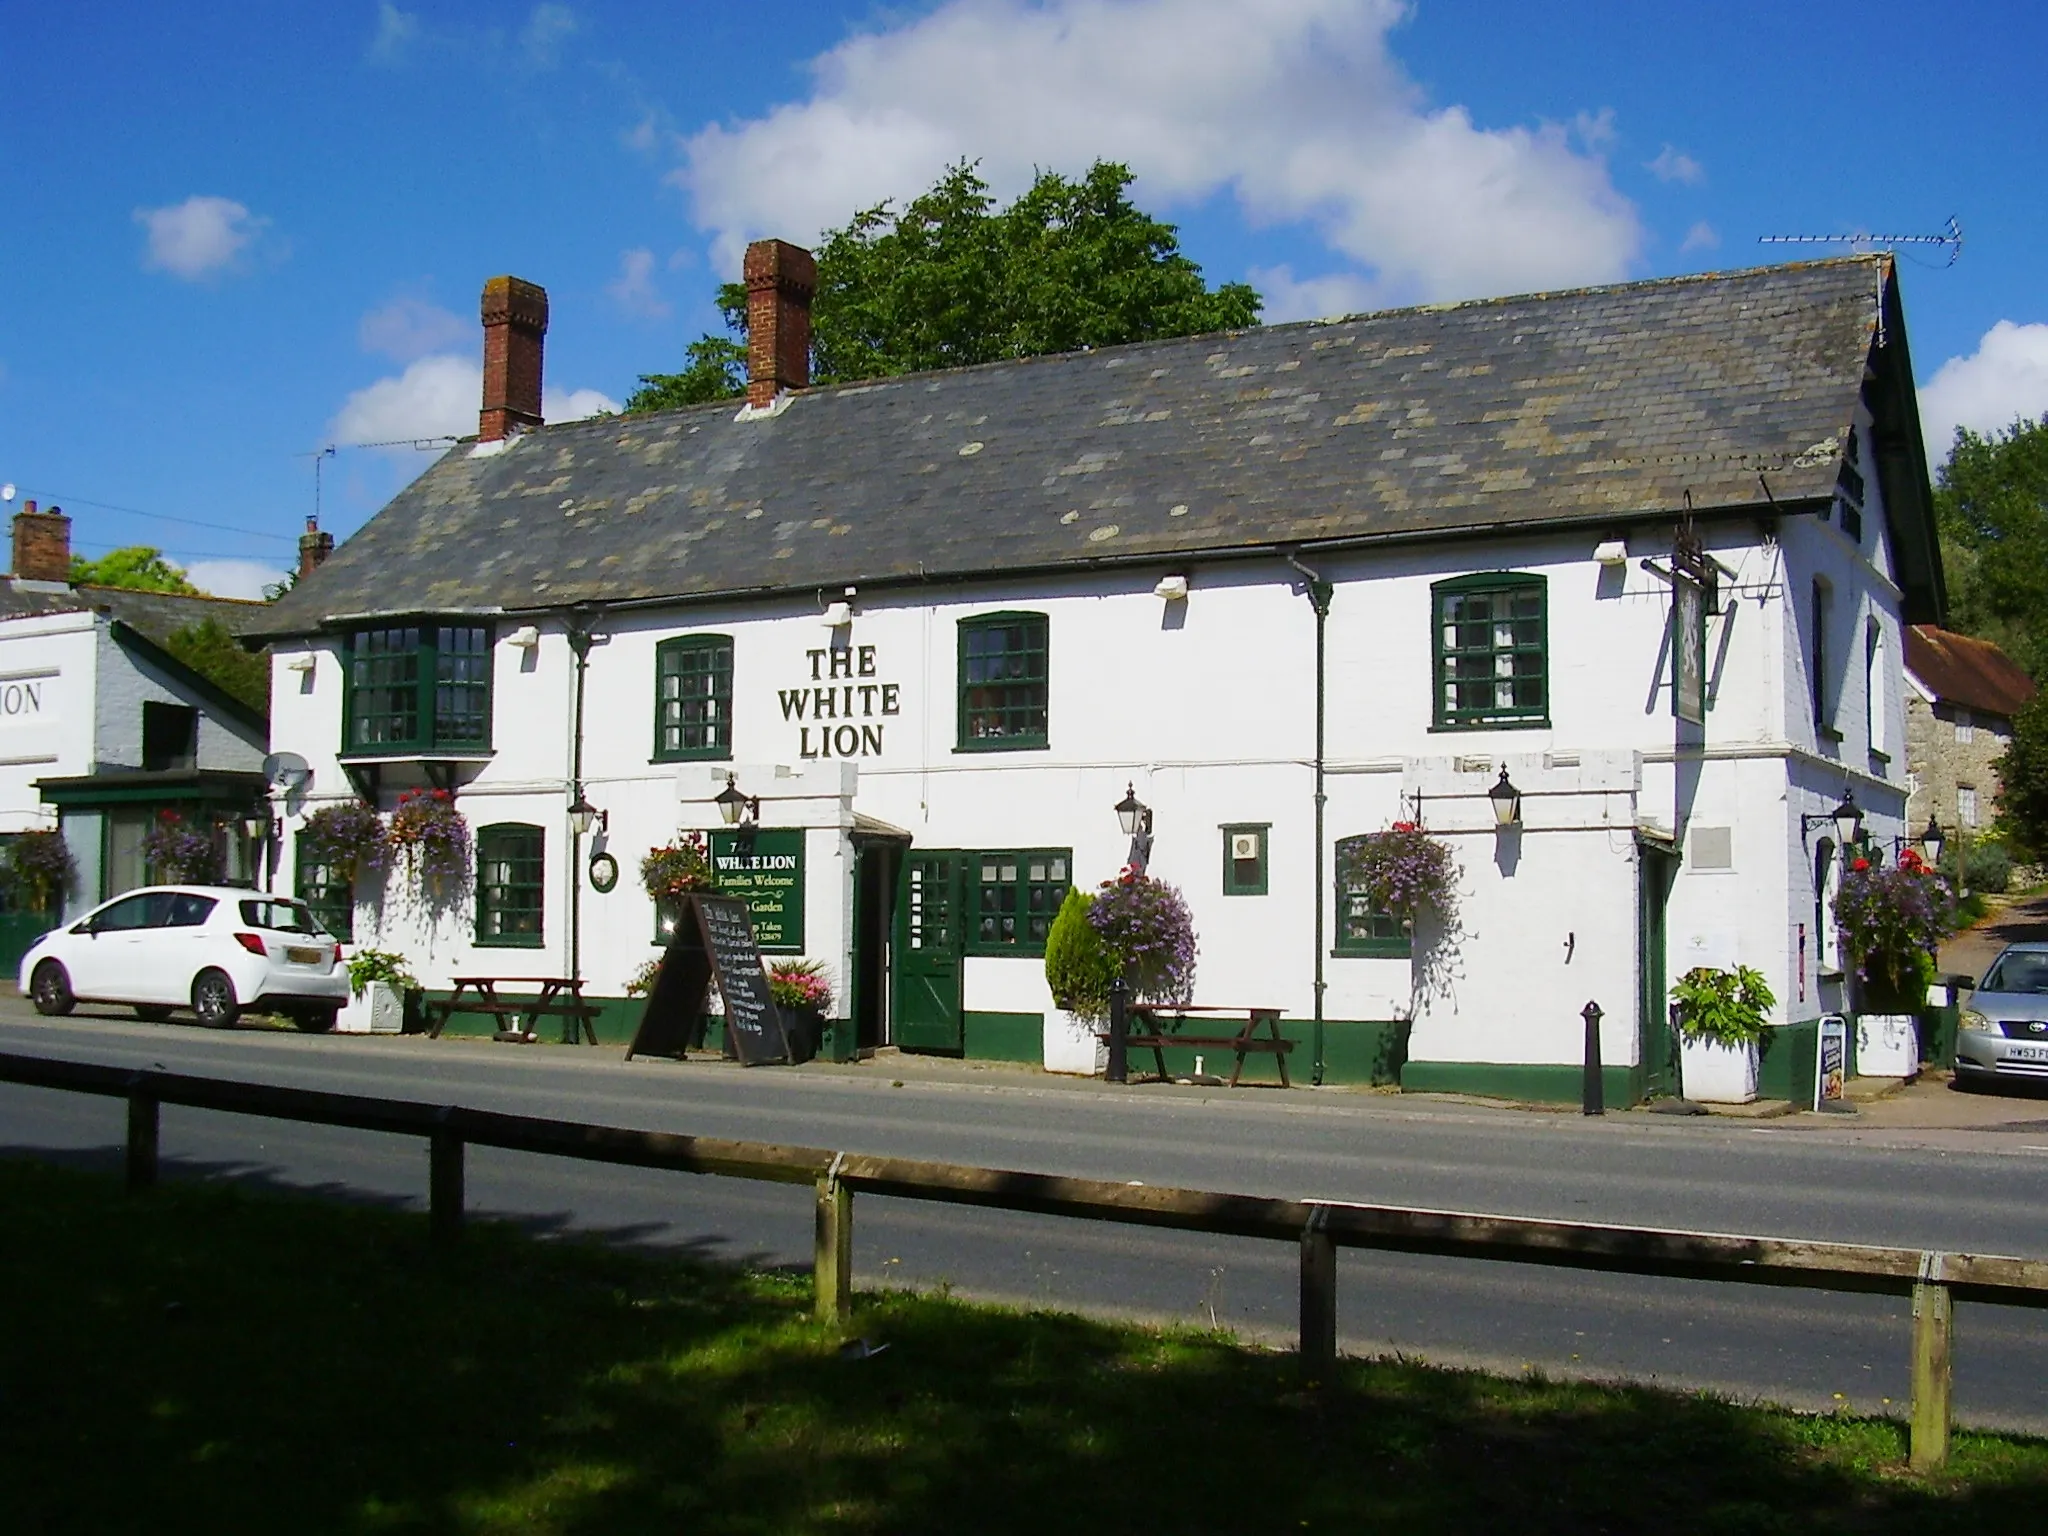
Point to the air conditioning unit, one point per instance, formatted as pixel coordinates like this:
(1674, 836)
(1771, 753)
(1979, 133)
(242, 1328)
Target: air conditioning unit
(1244, 845)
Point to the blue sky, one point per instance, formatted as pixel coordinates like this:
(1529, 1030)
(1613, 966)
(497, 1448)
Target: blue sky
(239, 232)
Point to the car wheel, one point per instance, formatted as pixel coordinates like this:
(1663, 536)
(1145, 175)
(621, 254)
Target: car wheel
(152, 1013)
(213, 999)
(50, 988)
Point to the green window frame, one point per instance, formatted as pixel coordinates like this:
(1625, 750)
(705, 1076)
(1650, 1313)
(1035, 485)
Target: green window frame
(693, 698)
(1013, 894)
(418, 686)
(511, 874)
(1491, 639)
(1245, 877)
(1004, 683)
(328, 894)
(1361, 930)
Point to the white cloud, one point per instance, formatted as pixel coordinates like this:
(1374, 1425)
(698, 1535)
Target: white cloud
(1311, 298)
(1295, 106)
(199, 237)
(438, 397)
(633, 289)
(1701, 237)
(396, 32)
(2005, 379)
(1676, 165)
(407, 328)
(545, 31)
(233, 578)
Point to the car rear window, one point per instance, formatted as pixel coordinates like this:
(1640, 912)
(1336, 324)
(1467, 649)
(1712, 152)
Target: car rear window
(2017, 973)
(280, 917)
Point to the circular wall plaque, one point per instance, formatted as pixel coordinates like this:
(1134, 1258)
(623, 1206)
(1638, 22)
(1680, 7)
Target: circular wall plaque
(604, 871)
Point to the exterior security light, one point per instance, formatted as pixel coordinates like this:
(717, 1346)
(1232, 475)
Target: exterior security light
(1932, 842)
(1507, 802)
(1611, 552)
(583, 816)
(1131, 812)
(1172, 589)
(733, 806)
(526, 637)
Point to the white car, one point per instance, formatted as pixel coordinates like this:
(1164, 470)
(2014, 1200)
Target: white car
(213, 949)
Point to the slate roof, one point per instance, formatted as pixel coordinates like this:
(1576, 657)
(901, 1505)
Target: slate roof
(156, 615)
(1583, 407)
(1961, 669)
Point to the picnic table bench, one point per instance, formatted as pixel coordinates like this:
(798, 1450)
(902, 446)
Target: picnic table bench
(1155, 1026)
(517, 1013)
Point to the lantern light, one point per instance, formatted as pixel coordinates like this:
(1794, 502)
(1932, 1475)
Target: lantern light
(1131, 812)
(1507, 801)
(733, 805)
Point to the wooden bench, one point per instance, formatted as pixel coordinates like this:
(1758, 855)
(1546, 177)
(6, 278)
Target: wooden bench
(1150, 1030)
(559, 997)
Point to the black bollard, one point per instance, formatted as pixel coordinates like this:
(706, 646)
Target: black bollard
(1592, 1096)
(1119, 1032)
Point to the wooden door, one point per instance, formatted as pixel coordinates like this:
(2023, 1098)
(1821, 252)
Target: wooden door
(1656, 870)
(928, 953)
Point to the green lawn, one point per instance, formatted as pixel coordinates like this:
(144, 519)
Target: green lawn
(204, 1359)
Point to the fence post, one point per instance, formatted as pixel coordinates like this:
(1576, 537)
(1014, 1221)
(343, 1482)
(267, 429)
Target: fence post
(444, 1183)
(142, 1135)
(1933, 1316)
(832, 1259)
(1318, 1297)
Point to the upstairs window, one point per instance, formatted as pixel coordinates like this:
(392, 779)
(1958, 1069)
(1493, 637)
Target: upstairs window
(1492, 651)
(693, 698)
(510, 871)
(1003, 682)
(1823, 615)
(419, 688)
(170, 736)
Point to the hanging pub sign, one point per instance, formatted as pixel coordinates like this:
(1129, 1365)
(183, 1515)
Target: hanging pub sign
(713, 942)
(765, 869)
(1693, 597)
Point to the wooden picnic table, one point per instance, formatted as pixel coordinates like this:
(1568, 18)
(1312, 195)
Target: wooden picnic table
(558, 997)
(1158, 1025)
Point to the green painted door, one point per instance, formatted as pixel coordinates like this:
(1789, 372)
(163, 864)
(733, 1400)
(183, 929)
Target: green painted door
(928, 953)
(1656, 868)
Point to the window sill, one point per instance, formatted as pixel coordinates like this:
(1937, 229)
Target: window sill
(1005, 744)
(523, 941)
(419, 754)
(1491, 725)
(1828, 733)
(1246, 891)
(1387, 951)
(716, 755)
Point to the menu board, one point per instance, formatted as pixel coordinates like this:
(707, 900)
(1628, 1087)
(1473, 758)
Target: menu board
(714, 941)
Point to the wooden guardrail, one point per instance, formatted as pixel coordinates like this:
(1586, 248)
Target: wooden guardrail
(1934, 1280)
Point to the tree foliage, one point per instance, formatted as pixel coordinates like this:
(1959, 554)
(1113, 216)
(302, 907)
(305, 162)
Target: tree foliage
(137, 566)
(951, 280)
(208, 649)
(1991, 501)
(2023, 781)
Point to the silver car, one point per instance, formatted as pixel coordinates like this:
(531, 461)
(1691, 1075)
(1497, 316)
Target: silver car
(2004, 1030)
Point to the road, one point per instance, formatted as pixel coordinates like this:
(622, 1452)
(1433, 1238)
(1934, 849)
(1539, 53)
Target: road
(1975, 1191)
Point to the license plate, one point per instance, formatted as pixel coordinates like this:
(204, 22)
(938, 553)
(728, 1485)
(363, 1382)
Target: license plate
(2026, 1053)
(302, 956)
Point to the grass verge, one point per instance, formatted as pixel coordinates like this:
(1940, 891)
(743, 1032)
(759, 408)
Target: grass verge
(201, 1358)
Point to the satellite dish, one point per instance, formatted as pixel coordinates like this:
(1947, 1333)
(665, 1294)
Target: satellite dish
(7, 491)
(286, 771)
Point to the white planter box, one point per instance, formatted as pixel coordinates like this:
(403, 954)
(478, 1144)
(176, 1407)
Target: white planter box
(1071, 1046)
(1887, 1045)
(1718, 1074)
(379, 1011)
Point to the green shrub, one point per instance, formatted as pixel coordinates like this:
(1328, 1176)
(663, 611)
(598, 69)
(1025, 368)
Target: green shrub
(1078, 968)
(1725, 1007)
(1984, 866)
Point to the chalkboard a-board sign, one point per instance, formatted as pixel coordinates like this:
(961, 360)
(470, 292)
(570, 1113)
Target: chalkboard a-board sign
(714, 940)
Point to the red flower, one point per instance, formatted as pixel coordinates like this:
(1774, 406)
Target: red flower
(1859, 865)
(1404, 826)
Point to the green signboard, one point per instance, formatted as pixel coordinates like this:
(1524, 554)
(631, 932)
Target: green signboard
(766, 870)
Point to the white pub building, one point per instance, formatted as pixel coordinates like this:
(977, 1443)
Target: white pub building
(1286, 586)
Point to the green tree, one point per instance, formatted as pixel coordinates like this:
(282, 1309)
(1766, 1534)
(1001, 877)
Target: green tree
(137, 566)
(1991, 501)
(216, 655)
(951, 280)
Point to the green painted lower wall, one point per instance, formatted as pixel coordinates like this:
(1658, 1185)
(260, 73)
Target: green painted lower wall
(1355, 1051)
(1785, 1062)
(1536, 1083)
(1004, 1036)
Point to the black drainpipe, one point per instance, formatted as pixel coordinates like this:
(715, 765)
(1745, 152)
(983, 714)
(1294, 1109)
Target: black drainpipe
(1318, 592)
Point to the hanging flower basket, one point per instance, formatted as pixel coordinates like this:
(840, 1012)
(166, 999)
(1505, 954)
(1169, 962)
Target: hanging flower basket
(38, 871)
(348, 837)
(677, 868)
(1403, 872)
(1891, 922)
(430, 833)
(181, 852)
(1145, 926)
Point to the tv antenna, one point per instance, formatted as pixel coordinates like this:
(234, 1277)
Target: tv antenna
(1951, 236)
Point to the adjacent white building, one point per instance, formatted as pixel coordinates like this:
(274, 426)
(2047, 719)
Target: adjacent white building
(1287, 586)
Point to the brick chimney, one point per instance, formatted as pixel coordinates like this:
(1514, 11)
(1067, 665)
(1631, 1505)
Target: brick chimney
(42, 544)
(314, 547)
(780, 280)
(515, 315)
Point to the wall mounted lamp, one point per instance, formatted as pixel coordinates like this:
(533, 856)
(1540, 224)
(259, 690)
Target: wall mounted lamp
(1507, 801)
(737, 809)
(1847, 818)
(583, 816)
(1931, 843)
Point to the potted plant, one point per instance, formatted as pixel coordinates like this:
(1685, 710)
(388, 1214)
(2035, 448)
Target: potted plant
(1078, 971)
(39, 871)
(381, 985)
(1891, 921)
(348, 837)
(1721, 1018)
(180, 852)
(803, 996)
(671, 872)
(429, 831)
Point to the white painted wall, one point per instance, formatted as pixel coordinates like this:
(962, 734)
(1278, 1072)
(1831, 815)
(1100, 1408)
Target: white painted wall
(48, 675)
